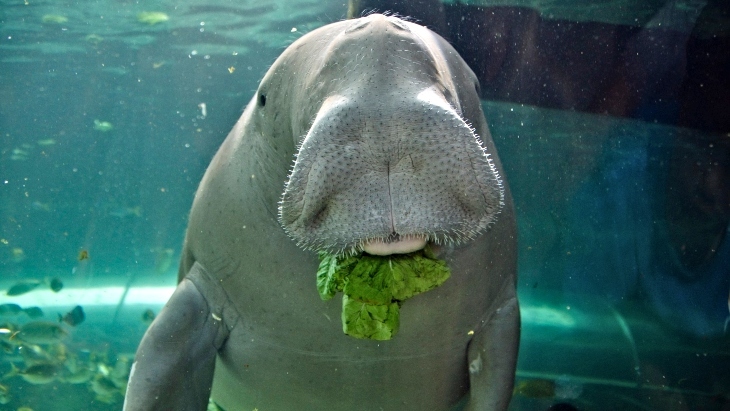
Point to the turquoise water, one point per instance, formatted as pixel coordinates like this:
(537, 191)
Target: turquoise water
(108, 120)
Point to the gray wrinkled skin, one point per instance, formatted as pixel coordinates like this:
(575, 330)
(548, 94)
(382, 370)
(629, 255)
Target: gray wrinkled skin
(382, 160)
(362, 129)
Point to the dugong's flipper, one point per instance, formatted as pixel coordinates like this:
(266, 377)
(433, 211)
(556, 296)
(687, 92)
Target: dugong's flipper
(174, 364)
(492, 356)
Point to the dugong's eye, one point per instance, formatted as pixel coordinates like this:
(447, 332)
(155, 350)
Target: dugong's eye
(262, 100)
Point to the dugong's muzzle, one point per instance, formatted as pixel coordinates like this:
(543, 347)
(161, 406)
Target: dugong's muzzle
(366, 176)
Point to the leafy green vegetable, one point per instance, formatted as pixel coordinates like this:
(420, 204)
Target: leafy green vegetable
(373, 321)
(374, 287)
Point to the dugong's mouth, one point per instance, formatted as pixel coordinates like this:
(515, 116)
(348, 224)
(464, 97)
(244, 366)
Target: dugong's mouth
(394, 244)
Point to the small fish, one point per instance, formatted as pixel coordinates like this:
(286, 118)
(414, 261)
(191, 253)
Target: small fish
(46, 142)
(83, 255)
(7, 348)
(10, 309)
(54, 18)
(34, 354)
(42, 373)
(152, 17)
(18, 254)
(126, 212)
(4, 394)
(94, 38)
(535, 388)
(18, 154)
(164, 259)
(7, 329)
(148, 316)
(58, 353)
(39, 332)
(120, 373)
(105, 389)
(561, 388)
(78, 376)
(23, 287)
(77, 371)
(73, 317)
(56, 284)
(103, 126)
(33, 312)
(38, 206)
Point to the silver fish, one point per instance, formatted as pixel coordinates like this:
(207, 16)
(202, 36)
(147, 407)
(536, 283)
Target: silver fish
(39, 332)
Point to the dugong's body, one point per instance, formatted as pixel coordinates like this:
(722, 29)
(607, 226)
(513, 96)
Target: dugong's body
(392, 151)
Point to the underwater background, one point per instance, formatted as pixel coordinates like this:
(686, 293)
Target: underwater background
(611, 119)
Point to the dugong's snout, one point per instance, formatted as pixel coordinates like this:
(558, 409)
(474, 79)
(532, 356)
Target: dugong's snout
(389, 178)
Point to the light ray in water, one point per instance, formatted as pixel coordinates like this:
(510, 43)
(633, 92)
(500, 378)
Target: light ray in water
(96, 296)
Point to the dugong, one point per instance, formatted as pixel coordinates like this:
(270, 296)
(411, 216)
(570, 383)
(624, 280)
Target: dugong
(365, 135)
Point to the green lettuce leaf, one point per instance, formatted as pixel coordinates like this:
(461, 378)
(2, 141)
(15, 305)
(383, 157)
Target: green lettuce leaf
(369, 321)
(370, 281)
(374, 287)
(331, 274)
(417, 274)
